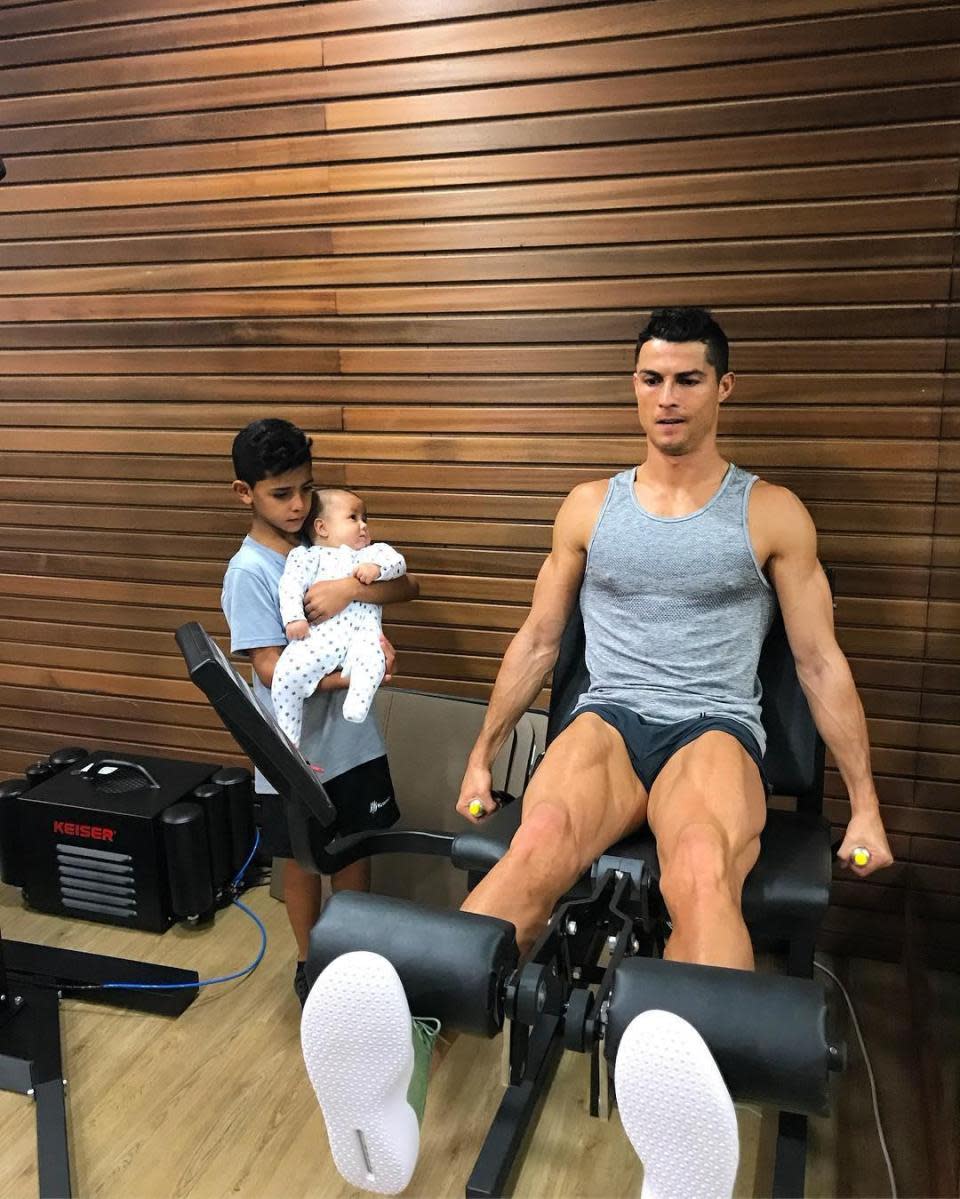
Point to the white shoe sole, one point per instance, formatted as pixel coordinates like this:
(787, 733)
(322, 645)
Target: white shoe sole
(356, 1036)
(676, 1110)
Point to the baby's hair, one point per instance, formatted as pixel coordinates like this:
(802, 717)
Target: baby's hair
(318, 507)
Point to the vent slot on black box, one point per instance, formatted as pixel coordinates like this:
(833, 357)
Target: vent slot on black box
(96, 880)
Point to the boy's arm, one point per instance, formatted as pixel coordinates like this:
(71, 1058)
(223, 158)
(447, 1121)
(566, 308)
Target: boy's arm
(264, 661)
(253, 617)
(293, 583)
(326, 599)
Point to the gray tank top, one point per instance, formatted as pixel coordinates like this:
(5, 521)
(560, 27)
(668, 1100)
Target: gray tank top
(675, 609)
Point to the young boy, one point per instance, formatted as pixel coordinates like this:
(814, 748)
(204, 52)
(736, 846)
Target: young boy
(274, 479)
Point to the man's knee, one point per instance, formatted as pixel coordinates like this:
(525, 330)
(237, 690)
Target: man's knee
(701, 869)
(546, 841)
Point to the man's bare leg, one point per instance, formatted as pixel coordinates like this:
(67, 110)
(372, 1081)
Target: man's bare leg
(707, 808)
(583, 797)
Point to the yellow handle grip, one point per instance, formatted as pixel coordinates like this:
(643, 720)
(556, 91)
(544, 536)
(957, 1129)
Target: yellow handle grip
(476, 808)
(860, 855)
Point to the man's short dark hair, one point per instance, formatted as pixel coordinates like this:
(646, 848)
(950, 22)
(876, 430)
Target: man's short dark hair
(269, 447)
(688, 324)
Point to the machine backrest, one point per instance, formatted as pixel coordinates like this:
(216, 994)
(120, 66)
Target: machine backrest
(250, 726)
(794, 756)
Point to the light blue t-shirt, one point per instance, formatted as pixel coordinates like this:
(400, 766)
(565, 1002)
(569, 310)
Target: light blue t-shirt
(251, 604)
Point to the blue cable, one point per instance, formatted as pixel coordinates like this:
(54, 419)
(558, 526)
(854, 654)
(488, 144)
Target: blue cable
(243, 869)
(204, 982)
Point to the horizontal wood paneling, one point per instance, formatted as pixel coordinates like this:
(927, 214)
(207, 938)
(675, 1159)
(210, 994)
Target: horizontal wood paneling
(427, 232)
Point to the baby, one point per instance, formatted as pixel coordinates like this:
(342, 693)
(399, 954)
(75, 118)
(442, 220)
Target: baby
(350, 640)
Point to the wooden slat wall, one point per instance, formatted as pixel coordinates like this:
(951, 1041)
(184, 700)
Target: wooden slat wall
(427, 230)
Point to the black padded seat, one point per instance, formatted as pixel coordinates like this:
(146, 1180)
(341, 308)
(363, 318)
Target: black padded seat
(789, 888)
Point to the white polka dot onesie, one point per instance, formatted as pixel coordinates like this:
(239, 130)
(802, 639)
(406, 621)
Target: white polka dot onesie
(350, 640)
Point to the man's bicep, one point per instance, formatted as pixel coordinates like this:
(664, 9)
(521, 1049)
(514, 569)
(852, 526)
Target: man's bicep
(560, 577)
(803, 591)
(555, 593)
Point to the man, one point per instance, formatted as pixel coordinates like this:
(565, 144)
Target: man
(678, 566)
(679, 562)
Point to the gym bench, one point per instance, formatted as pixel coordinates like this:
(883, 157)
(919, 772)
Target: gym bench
(597, 964)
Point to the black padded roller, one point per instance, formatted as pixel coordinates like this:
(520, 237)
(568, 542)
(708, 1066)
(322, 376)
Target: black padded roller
(451, 963)
(767, 1032)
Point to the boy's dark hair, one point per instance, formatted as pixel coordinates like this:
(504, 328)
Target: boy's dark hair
(269, 447)
(688, 324)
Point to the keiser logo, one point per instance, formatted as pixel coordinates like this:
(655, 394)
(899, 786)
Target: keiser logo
(91, 832)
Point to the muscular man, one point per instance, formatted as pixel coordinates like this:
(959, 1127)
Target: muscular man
(678, 566)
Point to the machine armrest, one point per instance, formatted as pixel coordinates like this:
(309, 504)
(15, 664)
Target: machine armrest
(481, 846)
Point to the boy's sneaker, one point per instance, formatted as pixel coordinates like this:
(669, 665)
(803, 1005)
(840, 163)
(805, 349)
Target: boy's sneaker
(301, 988)
(369, 1062)
(676, 1110)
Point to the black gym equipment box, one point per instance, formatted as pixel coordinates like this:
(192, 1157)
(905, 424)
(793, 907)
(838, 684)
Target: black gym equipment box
(124, 839)
(127, 840)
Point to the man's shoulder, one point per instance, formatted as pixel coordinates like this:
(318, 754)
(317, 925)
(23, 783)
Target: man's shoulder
(586, 499)
(587, 496)
(779, 520)
(578, 514)
(775, 499)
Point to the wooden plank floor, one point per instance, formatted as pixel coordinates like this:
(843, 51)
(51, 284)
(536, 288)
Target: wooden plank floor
(216, 1102)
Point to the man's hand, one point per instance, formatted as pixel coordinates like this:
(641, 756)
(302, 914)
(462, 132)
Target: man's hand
(325, 599)
(475, 788)
(296, 630)
(391, 656)
(865, 831)
(367, 572)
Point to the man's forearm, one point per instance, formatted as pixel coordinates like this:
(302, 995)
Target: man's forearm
(521, 676)
(838, 714)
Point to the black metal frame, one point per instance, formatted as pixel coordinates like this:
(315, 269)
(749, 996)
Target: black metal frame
(32, 980)
(547, 1005)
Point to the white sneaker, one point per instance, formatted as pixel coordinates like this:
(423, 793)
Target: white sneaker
(356, 1035)
(676, 1110)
